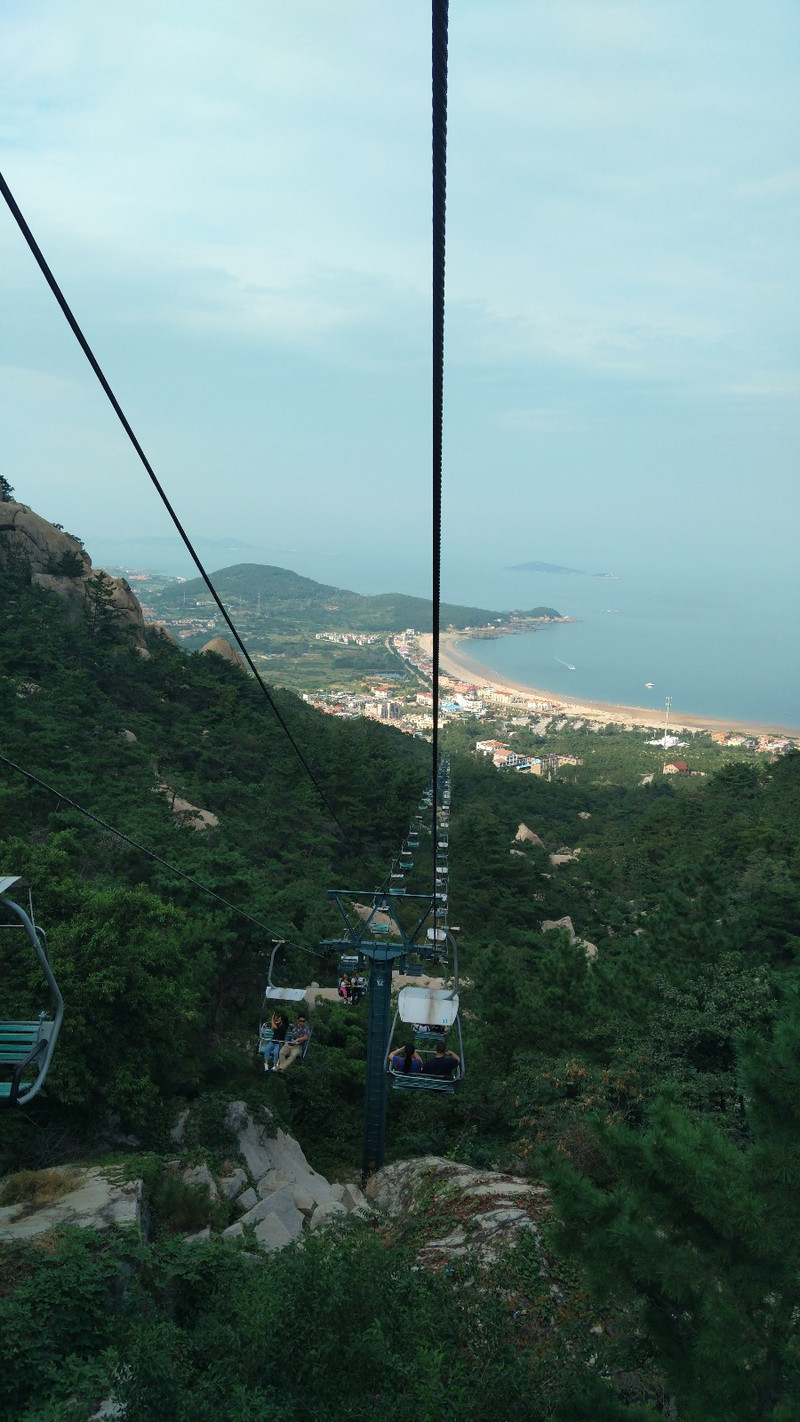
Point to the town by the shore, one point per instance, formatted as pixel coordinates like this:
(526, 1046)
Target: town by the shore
(458, 665)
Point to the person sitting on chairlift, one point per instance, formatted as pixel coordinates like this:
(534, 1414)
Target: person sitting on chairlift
(294, 1048)
(345, 987)
(405, 1060)
(358, 986)
(443, 1063)
(280, 1026)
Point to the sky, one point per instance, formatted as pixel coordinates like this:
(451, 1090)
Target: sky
(235, 199)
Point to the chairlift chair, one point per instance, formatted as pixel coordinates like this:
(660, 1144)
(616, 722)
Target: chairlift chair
(426, 1007)
(273, 995)
(419, 1007)
(26, 1047)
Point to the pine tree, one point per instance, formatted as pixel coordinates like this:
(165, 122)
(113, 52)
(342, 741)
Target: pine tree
(698, 1241)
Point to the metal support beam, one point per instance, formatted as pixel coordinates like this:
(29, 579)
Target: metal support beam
(378, 1014)
(382, 956)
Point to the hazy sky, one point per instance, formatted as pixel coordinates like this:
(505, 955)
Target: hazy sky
(236, 200)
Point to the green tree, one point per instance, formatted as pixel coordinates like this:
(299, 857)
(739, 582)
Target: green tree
(698, 1242)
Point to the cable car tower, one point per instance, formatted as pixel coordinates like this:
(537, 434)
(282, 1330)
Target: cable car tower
(383, 943)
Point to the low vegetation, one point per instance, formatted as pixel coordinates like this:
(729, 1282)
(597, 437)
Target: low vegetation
(653, 1085)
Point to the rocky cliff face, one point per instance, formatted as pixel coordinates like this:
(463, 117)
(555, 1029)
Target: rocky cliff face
(58, 561)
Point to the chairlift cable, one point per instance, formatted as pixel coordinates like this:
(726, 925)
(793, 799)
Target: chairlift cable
(94, 363)
(142, 849)
(439, 196)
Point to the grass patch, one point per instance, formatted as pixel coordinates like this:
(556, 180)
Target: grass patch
(37, 1188)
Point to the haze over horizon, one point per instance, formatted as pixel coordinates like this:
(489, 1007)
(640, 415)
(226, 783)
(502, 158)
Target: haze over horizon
(236, 203)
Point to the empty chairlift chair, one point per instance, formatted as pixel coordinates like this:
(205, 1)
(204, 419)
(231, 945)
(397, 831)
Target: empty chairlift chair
(26, 1047)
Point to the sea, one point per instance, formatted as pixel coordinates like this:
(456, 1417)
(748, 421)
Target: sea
(719, 637)
(719, 641)
(717, 646)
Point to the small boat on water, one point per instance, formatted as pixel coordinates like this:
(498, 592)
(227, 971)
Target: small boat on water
(568, 665)
(649, 685)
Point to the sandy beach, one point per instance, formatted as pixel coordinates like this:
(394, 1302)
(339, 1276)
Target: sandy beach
(455, 663)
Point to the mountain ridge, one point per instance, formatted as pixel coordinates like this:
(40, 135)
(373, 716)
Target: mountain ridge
(330, 607)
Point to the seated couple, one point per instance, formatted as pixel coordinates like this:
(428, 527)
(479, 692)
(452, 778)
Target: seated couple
(442, 1063)
(288, 1043)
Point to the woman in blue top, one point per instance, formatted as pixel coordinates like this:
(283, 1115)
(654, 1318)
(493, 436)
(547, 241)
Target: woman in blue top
(405, 1059)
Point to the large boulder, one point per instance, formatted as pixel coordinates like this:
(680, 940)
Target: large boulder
(59, 562)
(45, 548)
(91, 1201)
(457, 1211)
(223, 648)
(265, 1152)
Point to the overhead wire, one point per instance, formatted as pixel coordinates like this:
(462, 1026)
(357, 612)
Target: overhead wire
(439, 19)
(94, 363)
(165, 864)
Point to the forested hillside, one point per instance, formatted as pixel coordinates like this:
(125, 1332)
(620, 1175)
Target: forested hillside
(294, 603)
(653, 1083)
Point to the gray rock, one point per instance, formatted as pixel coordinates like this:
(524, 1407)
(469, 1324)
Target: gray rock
(490, 1212)
(199, 1176)
(280, 1204)
(273, 1180)
(41, 543)
(353, 1198)
(305, 1202)
(280, 1153)
(247, 1199)
(201, 1234)
(108, 1408)
(502, 1189)
(177, 1132)
(272, 1233)
(231, 1185)
(253, 1141)
(95, 1203)
(234, 1231)
(330, 1210)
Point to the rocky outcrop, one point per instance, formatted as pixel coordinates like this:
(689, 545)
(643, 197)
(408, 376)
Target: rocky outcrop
(550, 925)
(223, 648)
(525, 835)
(456, 1211)
(93, 1202)
(45, 547)
(190, 815)
(59, 562)
(287, 1196)
(564, 856)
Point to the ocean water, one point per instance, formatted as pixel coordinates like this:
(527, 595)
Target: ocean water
(719, 645)
(720, 636)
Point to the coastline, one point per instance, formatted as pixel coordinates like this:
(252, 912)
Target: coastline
(455, 663)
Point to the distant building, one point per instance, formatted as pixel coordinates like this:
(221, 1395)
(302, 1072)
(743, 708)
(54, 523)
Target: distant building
(511, 760)
(491, 747)
(676, 767)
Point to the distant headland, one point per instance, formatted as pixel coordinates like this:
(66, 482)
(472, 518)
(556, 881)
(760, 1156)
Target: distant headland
(539, 567)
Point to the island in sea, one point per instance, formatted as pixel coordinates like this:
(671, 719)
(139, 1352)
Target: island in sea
(539, 567)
